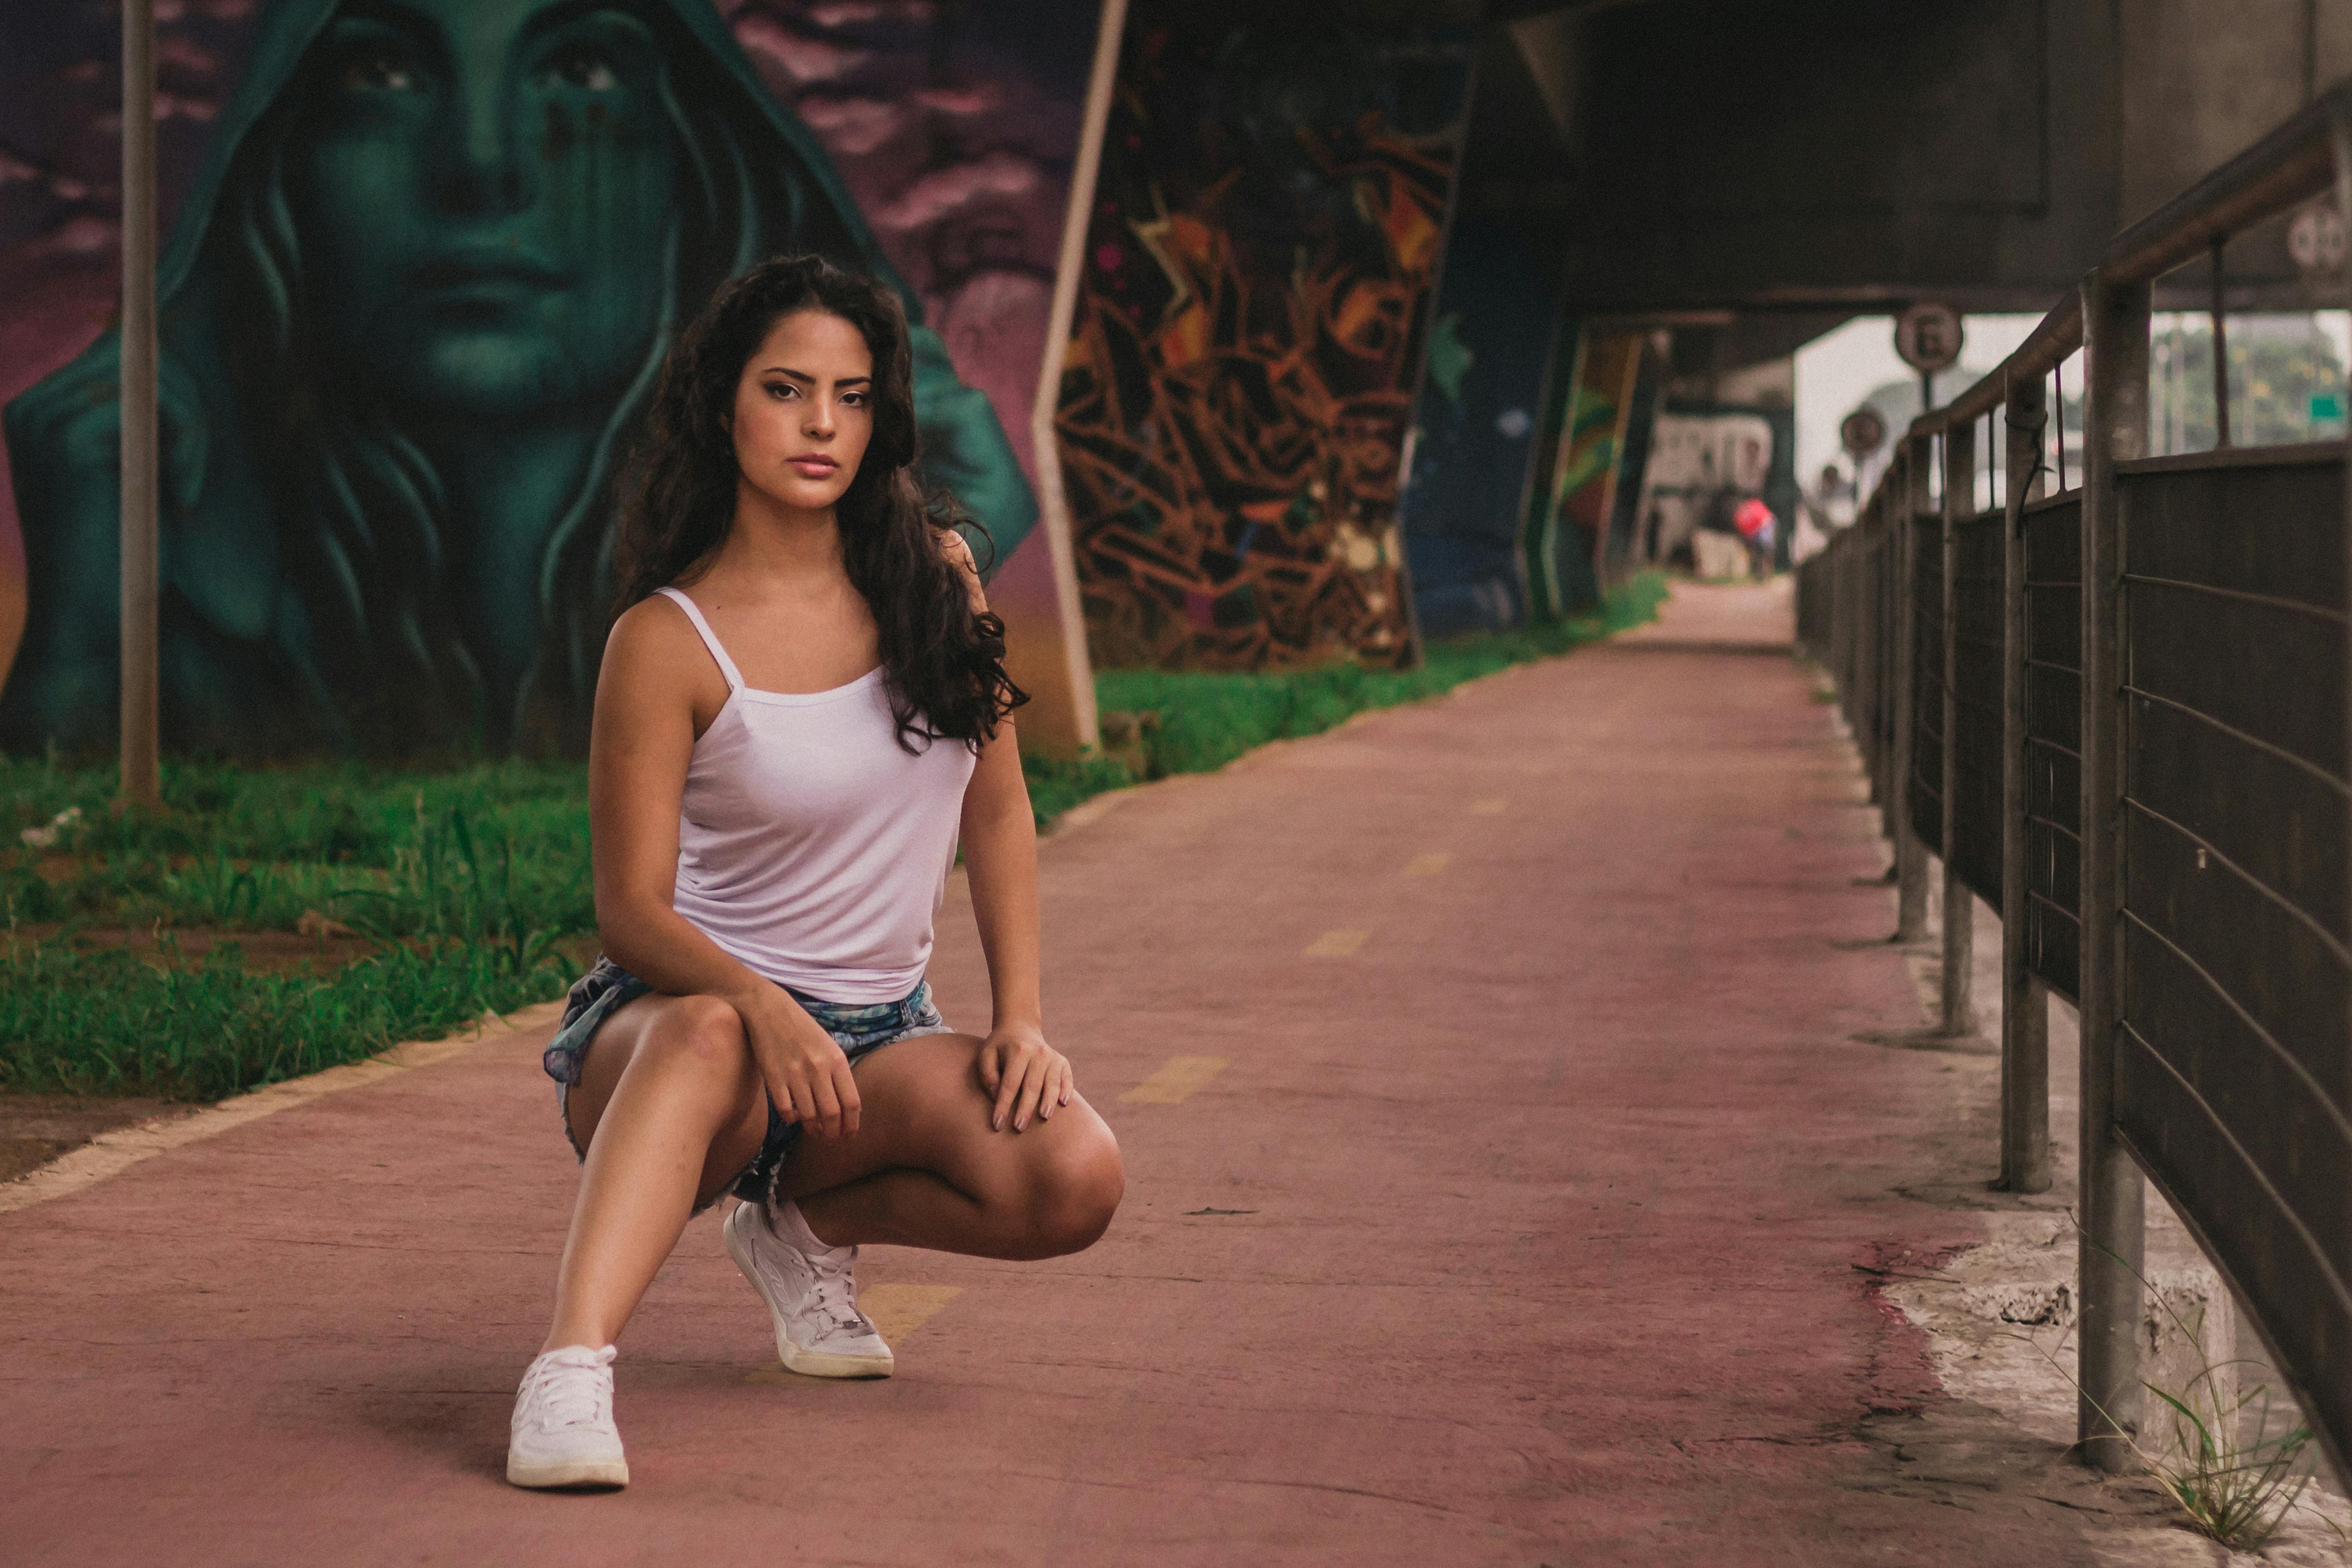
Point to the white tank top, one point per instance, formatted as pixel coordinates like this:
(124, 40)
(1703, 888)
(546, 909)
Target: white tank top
(811, 845)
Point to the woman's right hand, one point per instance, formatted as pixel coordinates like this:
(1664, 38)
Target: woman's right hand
(66, 436)
(806, 1072)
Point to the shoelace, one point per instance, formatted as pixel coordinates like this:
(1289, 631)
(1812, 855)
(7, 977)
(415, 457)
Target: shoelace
(569, 1395)
(835, 1295)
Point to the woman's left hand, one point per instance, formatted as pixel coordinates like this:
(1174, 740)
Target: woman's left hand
(1028, 1077)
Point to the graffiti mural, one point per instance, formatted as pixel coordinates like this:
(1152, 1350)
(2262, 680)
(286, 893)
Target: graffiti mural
(1589, 466)
(1474, 432)
(1233, 406)
(1702, 465)
(422, 262)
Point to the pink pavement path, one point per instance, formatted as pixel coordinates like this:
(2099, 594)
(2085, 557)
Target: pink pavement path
(1547, 1183)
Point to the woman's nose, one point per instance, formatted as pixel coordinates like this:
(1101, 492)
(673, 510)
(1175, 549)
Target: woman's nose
(485, 167)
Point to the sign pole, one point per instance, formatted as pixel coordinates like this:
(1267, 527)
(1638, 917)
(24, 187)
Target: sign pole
(141, 774)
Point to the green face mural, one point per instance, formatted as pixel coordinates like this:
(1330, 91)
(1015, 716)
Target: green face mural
(410, 308)
(489, 184)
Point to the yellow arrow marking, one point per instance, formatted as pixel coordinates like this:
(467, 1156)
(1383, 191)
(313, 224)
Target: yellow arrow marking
(1178, 1077)
(1337, 943)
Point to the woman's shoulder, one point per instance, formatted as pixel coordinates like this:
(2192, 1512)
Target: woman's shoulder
(654, 664)
(654, 633)
(655, 619)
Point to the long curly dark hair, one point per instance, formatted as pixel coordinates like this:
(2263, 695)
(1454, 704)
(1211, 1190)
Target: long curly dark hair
(943, 661)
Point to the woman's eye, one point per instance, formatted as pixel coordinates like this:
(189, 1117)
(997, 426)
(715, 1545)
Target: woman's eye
(854, 399)
(379, 70)
(586, 69)
(782, 389)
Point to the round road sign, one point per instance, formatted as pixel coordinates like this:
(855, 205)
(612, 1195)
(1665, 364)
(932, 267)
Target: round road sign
(1928, 337)
(1861, 432)
(2315, 239)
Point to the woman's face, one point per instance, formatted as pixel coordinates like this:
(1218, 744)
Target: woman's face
(485, 191)
(804, 410)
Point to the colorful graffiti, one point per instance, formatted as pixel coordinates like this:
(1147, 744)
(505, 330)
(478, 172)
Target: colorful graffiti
(1590, 463)
(387, 489)
(1703, 463)
(1233, 406)
(1474, 432)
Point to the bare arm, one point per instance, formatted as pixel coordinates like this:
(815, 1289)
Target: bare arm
(1026, 1076)
(654, 680)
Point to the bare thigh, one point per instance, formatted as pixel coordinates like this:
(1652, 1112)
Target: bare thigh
(691, 1026)
(923, 1109)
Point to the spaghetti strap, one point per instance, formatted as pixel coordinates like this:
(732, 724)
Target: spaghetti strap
(710, 640)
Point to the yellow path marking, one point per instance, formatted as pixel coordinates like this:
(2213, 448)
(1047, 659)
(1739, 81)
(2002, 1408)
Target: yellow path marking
(1178, 1077)
(897, 1310)
(1492, 806)
(1337, 943)
(1428, 865)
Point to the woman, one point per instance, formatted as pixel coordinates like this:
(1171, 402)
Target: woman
(802, 705)
(412, 305)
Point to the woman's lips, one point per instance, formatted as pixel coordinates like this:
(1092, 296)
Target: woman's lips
(812, 468)
(477, 268)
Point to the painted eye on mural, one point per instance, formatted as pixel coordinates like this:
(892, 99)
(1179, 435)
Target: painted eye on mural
(583, 67)
(379, 68)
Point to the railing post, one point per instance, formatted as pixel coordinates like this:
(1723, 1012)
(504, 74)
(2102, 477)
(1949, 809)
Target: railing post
(1843, 629)
(1960, 904)
(2024, 1004)
(2114, 429)
(1877, 681)
(1895, 760)
(1865, 659)
(2339, 140)
(1907, 497)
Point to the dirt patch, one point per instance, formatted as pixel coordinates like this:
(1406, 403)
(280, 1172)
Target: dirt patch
(35, 1129)
(320, 951)
(266, 951)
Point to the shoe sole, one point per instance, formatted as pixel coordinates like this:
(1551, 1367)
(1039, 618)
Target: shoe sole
(558, 1474)
(808, 1364)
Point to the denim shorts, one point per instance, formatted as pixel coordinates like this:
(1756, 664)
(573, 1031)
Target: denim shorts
(855, 1028)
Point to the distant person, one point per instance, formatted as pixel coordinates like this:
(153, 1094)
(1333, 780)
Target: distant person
(1755, 524)
(1833, 489)
(1715, 546)
(803, 709)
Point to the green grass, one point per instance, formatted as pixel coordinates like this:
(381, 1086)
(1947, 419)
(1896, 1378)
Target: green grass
(467, 880)
(1205, 720)
(402, 854)
(105, 1021)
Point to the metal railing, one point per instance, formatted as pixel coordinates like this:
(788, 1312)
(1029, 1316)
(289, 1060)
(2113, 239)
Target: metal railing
(2122, 713)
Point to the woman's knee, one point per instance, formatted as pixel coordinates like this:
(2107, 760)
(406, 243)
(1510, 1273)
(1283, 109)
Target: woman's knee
(702, 1035)
(1074, 1193)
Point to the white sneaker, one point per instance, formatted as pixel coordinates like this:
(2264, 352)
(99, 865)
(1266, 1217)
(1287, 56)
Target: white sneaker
(812, 1295)
(563, 1434)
